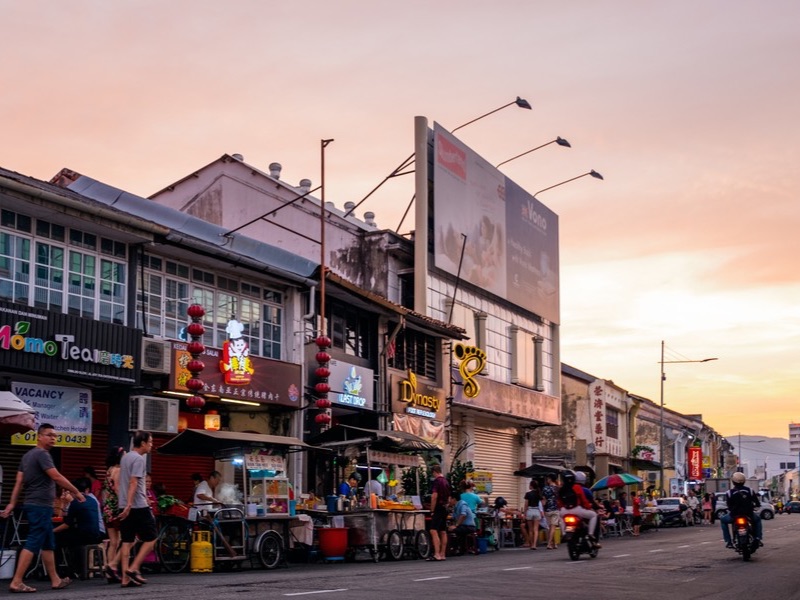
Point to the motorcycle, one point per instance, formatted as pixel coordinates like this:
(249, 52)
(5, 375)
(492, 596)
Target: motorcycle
(576, 536)
(744, 540)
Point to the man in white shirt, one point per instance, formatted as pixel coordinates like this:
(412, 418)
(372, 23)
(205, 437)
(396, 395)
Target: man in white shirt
(204, 492)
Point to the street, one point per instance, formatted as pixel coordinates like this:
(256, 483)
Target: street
(671, 563)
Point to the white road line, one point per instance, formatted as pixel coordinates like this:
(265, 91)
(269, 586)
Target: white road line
(685, 546)
(517, 568)
(708, 542)
(620, 556)
(432, 578)
(659, 550)
(316, 592)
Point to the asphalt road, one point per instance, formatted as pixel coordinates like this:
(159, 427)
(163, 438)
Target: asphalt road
(676, 563)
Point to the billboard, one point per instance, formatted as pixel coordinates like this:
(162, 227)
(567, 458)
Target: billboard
(511, 247)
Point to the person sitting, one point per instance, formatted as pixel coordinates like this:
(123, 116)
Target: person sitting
(469, 496)
(349, 488)
(81, 524)
(741, 501)
(571, 499)
(204, 492)
(463, 522)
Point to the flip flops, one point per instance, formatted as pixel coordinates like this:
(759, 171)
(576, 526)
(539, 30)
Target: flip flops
(22, 589)
(65, 581)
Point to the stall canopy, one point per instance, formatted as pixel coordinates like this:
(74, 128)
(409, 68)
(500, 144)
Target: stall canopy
(379, 439)
(539, 470)
(15, 415)
(200, 442)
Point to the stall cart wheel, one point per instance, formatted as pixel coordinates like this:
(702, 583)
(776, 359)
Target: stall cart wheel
(394, 545)
(173, 546)
(423, 544)
(270, 549)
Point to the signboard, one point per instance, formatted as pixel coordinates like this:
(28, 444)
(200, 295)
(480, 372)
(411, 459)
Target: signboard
(512, 238)
(68, 410)
(597, 411)
(392, 458)
(351, 385)
(270, 382)
(695, 462)
(260, 460)
(42, 341)
(411, 396)
(482, 481)
(429, 430)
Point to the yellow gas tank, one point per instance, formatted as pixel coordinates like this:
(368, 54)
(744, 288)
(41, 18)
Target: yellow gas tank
(202, 552)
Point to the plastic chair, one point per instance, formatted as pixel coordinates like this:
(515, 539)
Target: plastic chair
(507, 538)
(613, 527)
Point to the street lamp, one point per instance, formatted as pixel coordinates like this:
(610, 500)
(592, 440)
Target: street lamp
(559, 140)
(661, 429)
(521, 102)
(593, 173)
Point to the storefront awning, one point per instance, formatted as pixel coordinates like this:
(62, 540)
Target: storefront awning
(539, 470)
(199, 442)
(382, 439)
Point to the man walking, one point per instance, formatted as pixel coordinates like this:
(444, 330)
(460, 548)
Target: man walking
(39, 476)
(440, 495)
(136, 518)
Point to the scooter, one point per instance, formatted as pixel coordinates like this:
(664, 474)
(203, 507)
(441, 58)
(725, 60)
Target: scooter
(744, 541)
(576, 535)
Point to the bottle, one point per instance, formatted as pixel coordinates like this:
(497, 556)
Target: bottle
(340, 504)
(373, 501)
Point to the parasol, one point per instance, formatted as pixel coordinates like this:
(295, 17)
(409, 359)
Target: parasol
(15, 415)
(617, 480)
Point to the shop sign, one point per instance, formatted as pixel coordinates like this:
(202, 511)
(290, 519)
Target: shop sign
(42, 341)
(482, 481)
(268, 381)
(598, 415)
(392, 458)
(351, 385)
(695, 462)
(472, 361)
(413, 397)
(260, 460)
(67, 409)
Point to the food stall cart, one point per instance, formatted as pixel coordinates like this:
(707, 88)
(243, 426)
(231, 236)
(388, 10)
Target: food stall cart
(262, 525)
(385, 528)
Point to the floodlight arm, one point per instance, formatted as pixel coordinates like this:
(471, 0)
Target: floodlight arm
(559, 140)
(521, 102)
(593, 173)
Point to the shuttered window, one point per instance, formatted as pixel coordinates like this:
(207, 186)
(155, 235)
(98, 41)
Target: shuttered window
(498, 452)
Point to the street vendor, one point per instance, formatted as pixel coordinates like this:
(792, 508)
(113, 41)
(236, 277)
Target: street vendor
(349, 488)
(204, 492)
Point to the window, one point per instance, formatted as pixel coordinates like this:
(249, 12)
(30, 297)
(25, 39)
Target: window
(352, 331)
(15, 256)
(416, 351)
(49, 281)
(612, 423)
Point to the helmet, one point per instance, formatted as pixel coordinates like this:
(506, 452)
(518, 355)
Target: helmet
(738, 478)
(580, 477)
(568, 477)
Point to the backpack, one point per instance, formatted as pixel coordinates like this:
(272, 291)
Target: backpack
(568, 497)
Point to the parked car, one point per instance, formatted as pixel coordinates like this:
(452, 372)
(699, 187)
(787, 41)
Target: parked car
(767, 510)
(792, 507)
(673, 511)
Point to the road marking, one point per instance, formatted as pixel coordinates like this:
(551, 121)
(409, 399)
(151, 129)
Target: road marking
(659, 550)
(620, 556)
(708, 542)
(517, 568)
(685, 546)
(433, 578)
(316, 592)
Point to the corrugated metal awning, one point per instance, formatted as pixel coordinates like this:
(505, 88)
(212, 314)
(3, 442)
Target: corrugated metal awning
(199, 442)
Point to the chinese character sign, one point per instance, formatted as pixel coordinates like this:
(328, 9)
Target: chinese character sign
(597, 411)
(695, 462)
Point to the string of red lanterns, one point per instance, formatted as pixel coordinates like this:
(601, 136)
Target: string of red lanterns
(195, 348)
(321, 388)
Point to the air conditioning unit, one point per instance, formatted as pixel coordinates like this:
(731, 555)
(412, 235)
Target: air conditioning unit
(156, 415)
(651, 476)
(156, 356)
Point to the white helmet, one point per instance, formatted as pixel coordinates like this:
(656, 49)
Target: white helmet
(580, 477)
(738, 478)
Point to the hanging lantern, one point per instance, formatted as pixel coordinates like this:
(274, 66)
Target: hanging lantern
(195, 348)
(195, 366)
(323, 403)
(323, 341)
(196, 311)
(322, 372)
(195, 385)
(322, 388)
(323, 358)
(195, 329)
(323, 418)
(195, 403)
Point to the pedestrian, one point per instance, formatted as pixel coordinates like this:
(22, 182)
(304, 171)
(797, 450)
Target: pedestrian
(97, 485)
(707, 509)
(636, 501)
(38, 476)
(136, 518)
(440, 495)
(109, 502)
(82, 524)
(532, 514)
(551, 513)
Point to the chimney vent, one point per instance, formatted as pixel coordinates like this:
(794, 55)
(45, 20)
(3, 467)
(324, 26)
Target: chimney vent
(275, 170)
(369, 218)
(238, 157)
(349, 206)
(305, 185)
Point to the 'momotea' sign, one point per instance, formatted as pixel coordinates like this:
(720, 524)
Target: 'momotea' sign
(695, 462)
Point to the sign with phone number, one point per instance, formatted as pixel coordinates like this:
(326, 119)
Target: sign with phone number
(64, 440)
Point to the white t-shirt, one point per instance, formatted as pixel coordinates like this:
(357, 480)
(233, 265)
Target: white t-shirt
(374, 487)
(205, 489)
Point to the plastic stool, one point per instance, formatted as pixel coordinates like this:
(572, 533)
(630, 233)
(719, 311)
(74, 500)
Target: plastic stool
(507, 538)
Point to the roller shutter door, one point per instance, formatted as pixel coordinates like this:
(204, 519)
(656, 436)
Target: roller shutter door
(175, 471)
(498, 452)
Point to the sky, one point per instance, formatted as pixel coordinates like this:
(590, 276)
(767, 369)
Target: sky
(688, 109)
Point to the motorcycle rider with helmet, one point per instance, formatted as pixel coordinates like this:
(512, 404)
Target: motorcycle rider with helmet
(580, 478)
(741, 501)
(571, 499)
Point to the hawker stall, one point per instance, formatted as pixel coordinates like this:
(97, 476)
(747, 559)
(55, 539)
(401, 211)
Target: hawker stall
(384, 525)
(260, 522)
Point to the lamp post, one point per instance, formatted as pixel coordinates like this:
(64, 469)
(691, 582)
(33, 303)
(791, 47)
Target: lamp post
(661, 428)
(400, 170)
(593, 173)
(559, 140)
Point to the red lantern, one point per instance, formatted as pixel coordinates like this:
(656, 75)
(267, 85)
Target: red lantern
(195, 329)
(323, 357)
(195, 366)
(194, 348)
(322, 388)
(195, 385)
(322, 418)
(195, 403)
(323, 341)
(323, 403)
(196, 311)
(322, 372)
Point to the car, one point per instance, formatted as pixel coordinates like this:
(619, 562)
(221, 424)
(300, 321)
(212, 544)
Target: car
(766, 512)
(792, 507)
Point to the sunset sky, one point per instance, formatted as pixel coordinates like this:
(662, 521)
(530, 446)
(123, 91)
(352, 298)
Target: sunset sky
(690, 110)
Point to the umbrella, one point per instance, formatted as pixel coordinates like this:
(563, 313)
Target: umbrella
(15, 415)
(616, 480)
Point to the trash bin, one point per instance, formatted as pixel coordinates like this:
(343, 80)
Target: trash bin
(332, 542)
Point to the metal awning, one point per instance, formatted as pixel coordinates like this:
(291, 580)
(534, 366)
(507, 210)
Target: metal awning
(382, 439)
(539, 470)
(199, 442)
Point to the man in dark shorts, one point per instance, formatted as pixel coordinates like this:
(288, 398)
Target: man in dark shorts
(440, 494)
(39, 476)
(136, 518)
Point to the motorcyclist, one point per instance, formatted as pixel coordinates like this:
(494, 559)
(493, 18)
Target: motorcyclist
(741, 501)
(580, 479)
(571, 499)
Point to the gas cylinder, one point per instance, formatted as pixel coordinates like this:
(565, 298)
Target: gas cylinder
(202, 553)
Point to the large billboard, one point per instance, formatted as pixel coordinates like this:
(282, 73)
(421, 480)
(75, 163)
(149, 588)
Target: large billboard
(511, 247)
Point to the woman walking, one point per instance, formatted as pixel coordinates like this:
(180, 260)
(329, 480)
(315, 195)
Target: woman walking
(110, 505)
(707, 509)
(533, 514)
